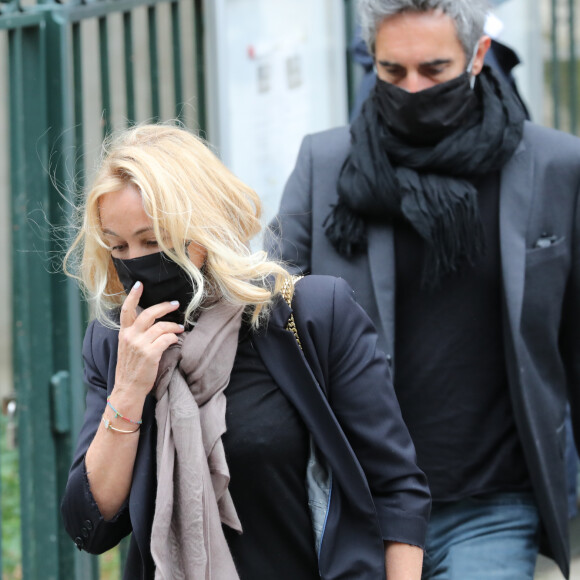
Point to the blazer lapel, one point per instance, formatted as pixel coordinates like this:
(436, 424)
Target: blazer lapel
(514, 207)
(381, 252)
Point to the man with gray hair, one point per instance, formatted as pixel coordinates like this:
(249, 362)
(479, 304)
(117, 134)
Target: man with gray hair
(457, 223)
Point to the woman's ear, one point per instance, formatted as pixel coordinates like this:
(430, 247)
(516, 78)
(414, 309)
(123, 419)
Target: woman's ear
(197, 253)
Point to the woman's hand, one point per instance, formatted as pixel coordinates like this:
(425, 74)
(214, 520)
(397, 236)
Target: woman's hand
(111, 455)
(142, 342)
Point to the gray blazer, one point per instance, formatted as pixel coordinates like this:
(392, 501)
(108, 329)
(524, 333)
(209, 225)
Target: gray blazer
(540, 260)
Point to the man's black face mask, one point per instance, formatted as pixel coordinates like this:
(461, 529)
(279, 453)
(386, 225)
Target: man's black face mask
(163, 281)
(425, 117)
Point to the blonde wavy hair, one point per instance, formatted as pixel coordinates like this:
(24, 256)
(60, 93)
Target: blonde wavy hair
(190, 196)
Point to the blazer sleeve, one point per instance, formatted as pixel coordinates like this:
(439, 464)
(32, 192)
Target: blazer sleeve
(289, 236)
(361, 394)
(81, 516)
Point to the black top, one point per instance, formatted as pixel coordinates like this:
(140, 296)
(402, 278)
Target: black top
(267, 447)
(450, 373)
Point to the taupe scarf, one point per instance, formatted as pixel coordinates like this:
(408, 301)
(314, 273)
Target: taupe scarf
(187, 541)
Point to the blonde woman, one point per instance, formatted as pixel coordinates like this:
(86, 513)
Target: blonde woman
(227, 448)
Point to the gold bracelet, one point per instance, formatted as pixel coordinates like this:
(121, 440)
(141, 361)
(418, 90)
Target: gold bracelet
(107, 424)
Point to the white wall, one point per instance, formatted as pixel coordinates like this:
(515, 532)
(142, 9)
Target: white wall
(276, 71)
(522, 31)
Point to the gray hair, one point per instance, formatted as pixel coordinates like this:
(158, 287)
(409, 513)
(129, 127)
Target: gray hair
(468, 15)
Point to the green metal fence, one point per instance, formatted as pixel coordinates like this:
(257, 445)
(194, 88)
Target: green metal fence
(75, 71)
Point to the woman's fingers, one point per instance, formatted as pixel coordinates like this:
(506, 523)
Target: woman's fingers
(142, 342)
(161, 344)
(161, 328)
(147, 318)
(129, 308)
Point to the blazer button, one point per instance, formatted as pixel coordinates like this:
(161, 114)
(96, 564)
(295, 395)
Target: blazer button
(79, 542)
(88, 524)
(84, 532)
(390, 360)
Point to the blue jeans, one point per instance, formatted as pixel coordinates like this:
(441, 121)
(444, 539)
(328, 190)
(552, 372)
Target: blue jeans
(490, 537)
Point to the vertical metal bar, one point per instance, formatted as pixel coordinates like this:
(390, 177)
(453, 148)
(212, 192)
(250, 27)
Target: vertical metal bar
(32, 306)
(573, 87)
(78, 403)
(129, 67)
(555, 65)
(67, 321)
(200, 66)
(177, 66)
(4, 434)
(123, 551)
(350, 30)
(153, 63)
(105, 74)
(78, 104)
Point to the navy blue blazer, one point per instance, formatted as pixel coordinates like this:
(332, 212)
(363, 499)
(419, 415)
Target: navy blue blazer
(341, 387)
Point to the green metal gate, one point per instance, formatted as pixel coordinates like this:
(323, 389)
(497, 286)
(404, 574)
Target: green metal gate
(76, 70)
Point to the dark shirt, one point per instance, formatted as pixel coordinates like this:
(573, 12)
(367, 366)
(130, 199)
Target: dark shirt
(267, 448)
(450, 372)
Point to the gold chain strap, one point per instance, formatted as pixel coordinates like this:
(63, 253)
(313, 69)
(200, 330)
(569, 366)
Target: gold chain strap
(287, 293)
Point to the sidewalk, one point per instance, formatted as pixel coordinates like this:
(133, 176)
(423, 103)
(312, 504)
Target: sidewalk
(547, 570)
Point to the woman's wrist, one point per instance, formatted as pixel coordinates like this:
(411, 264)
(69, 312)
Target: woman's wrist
(125, 405)
(119, 415)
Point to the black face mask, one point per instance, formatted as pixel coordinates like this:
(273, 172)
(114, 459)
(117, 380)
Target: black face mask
(426, 117)
(163, 281)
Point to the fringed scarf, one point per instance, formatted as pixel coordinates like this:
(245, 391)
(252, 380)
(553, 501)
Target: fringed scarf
(384, 178)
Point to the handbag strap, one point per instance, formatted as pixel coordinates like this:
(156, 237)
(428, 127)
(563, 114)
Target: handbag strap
(287, 293)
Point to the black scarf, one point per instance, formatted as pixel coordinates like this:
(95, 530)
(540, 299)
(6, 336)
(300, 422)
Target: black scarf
(385, 177)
